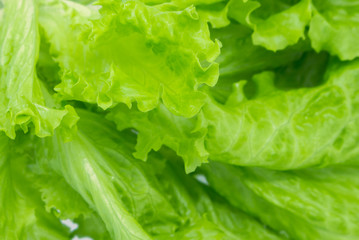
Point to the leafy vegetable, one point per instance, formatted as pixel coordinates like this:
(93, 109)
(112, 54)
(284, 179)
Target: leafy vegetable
(310, 203)
(143, 54)
(277, 129)
(334, 27)
(276, 24)
(22, 213)
(151, 199)
(179, 119)
(24, 99)
(332, 24)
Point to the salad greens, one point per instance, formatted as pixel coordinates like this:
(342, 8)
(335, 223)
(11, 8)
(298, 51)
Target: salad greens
(179, 119)
(306, 204)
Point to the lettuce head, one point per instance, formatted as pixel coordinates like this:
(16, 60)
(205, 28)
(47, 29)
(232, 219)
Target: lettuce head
(179, 119)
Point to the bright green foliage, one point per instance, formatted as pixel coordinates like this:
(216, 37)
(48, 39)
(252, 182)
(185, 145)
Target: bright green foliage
(275, 24)
(240, 57)
(277, 129)
(147, 54)
(285, 130)
(179, 119)
(154, 199)
(334, 27)
(159, 127)
(23, 99)
(333, 24)
(303, 204)
(22, 215)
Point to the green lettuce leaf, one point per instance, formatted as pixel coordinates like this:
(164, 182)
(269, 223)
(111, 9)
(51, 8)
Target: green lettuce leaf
(213, 11)
(24, 102)
(83, 166)
(47, 69)
(211, 217)
(258, 142)
(286, 129)
(86, 227)
(53, 188)
(131, 52)
(277, 129)
(335, 28)
(22, 213)
(240, 59)
(138, 200)
(216, 14)
(113, 183)
(275, 24)
(219, 220)
(160, 127)
(302, 204)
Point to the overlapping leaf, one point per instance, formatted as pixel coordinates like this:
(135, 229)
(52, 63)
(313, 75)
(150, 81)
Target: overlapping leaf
(277, 129)
(24, 101)
(302, 204)
(275, 24)
(135, 52)
(151, 200)
(335, 28)
(278, 104)
(22, 214)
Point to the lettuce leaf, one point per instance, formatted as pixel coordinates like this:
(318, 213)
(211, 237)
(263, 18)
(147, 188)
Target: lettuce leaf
(147, 54)
(233, 223)
(256, 141)
(302, 204)
(276, 24)
(52, 188)
(334, 28)
(213, 11)
(24, 102)
(91, 226)
(148, 200)
(285, 129)
(240, 57)
(277, 129)
(22, 215)
(160, 127)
